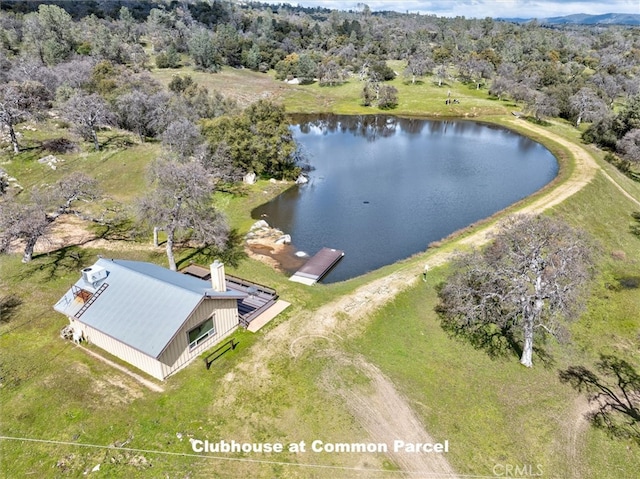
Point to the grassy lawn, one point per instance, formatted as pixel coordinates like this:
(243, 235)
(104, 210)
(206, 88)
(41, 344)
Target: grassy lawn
(424, 98)
(54, 391)
(119, 166)
(491, 411)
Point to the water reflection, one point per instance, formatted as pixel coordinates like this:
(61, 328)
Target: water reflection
(383, 187)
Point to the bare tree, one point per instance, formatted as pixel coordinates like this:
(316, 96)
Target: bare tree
(331, 74)
(542, 105)
(22, 222)
(75, 73)
(88, 113)
(500, 86)
(12, 111)
(629, 145)
(217, 159)
(587, 105)
(142, 113)
(442, 74)
(18, 102)
(368, 94)
(418, 64)
(182, 138)
(30, 221)
(525, 282)
(607, 86)
(388, 97)
(180, 202)
(475, 70)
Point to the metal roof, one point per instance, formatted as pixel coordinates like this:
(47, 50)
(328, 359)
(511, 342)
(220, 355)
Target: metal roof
(144, 304)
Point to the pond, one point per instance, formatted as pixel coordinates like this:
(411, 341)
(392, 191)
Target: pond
(382, 188)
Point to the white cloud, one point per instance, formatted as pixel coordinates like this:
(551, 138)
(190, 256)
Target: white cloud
(485, 8)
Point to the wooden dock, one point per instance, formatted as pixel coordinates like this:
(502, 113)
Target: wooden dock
(314, 269)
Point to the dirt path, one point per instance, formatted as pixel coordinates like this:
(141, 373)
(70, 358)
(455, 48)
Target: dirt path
(145, 382)
(575, 427)
(584, 171)
(387, 417)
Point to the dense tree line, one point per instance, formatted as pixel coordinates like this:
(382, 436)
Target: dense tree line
(576, 72)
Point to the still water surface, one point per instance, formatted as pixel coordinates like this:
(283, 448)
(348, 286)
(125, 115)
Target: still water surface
(383, 188)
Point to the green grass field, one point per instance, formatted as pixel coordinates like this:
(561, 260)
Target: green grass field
(491, 411)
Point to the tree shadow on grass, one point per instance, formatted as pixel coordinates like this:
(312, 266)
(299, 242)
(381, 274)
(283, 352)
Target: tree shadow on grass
(614, 395)
(231, 254)
(634, 229)
(118, 229)
(53, 265)
(413, 83)
(8, 306)
(496, 342)
(544, 357)
(117, 141)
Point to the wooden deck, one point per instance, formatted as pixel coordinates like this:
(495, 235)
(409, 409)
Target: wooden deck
(314, 269)
(258, 299)
(267, 315)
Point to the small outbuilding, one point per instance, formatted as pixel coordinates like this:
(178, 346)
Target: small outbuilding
(156, 319)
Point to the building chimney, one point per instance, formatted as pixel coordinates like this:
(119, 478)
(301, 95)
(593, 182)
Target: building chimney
(218, 281)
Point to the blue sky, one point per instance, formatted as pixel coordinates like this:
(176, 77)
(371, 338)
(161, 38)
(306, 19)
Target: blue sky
(485, 8)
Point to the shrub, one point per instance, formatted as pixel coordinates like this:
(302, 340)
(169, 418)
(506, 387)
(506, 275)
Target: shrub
(168, 59)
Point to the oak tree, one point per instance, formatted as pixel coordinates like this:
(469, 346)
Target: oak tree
(418, 65)
(259, 139)
(629, 145)
(587, 105)
(19, 102)
(88, 113)
(32, 220)
(182, 138)
(524, 284)
(142, 113)
(179, 203)
(388, 97)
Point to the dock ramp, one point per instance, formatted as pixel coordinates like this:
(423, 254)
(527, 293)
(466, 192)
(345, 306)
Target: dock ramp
(314, 269)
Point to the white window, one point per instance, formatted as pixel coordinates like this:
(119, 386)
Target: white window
(201, 332)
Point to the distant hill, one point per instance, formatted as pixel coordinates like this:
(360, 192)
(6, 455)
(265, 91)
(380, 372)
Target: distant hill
(584, 19)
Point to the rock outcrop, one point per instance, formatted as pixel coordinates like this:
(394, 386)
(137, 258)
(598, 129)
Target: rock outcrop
(264, 235)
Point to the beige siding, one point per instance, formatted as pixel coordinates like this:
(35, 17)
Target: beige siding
(177, 355)
(134, 357)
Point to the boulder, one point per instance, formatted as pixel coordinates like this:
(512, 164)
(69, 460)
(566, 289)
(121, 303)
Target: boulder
(50, 161)
(284, 239)
(259, 225)
(249, 178)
